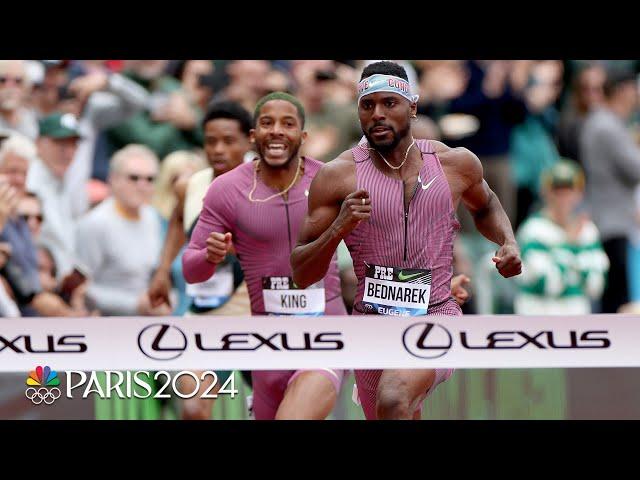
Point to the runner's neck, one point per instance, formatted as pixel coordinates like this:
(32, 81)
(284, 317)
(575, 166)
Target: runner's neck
(279, 178)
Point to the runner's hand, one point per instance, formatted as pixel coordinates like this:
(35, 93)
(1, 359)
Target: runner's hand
(507, 260)
(353, 211)
(459, 293)
(218, 245)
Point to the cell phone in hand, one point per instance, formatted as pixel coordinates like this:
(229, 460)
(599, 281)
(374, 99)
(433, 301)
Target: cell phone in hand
(70, 283)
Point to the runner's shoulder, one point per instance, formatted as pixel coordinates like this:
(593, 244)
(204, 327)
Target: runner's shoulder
(341, 166)
(235, 176)
(338, 175)
(312, 165)
(460, 159)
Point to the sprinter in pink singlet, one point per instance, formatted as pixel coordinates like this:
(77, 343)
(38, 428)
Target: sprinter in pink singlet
(393, 200)
(258, 208)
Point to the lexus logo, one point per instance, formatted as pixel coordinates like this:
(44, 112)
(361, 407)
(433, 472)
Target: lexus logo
(427, 340)
(162, 341)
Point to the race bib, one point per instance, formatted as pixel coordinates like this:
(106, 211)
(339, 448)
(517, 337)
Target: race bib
(283, 297)
(396, 291)
(214, 292)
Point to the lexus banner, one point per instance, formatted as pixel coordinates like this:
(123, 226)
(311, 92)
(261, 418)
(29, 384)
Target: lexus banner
(358, 342)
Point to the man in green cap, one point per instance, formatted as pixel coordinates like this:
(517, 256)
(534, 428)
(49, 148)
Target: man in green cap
(57, 145)
(564, 264)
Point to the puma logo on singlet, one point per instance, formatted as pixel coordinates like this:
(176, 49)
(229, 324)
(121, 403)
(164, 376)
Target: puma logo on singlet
(424, 187)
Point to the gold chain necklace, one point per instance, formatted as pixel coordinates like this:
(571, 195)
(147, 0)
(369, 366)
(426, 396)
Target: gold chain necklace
(255, 183)
(406, 155)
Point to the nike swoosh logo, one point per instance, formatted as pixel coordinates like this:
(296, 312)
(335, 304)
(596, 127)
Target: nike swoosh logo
(424, 187)
(404, 277)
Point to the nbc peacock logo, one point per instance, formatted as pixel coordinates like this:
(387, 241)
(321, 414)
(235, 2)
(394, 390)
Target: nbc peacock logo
(43, 384)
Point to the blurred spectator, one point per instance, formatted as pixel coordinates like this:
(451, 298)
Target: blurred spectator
(15, 88)
(424, 127)
(29, 209)
(176, 166)
(48, 179)
(46, 269)
(170, 122)
(175, 171)
(197, 78)
(100, 100)
(47, 91)
(20, 269)
(75, 297)
(532, 148)
(612, 163)
(4, 134)
(564, 265)
(247, 82)
(17, 153)
(8, 307)
(440, 82)
(633, 269)
(332, 128)
(587, 93)
(493, 95)
(119, 240)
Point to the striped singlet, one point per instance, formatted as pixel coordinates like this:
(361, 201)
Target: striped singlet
(418, 238)
(264, 234)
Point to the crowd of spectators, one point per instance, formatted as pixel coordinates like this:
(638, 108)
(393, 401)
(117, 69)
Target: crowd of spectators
(91, 152)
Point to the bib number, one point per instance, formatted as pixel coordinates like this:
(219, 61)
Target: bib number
(214, 292)
(396, 291)
(282, 297)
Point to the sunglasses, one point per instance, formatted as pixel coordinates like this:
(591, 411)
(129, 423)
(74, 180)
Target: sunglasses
(4, 79)
(26, 217)
(136, 178)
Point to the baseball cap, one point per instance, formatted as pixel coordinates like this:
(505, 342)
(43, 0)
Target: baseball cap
(59, 125)
(565, 173)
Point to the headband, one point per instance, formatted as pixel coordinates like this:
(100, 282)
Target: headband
(386, 83)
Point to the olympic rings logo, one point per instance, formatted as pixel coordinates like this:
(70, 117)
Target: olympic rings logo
(42, 394)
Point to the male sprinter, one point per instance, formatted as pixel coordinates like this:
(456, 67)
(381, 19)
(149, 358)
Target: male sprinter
(393, 200)
(226, 127)
(260, 206)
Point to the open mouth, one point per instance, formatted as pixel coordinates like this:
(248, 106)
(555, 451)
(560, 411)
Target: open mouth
(276, 149)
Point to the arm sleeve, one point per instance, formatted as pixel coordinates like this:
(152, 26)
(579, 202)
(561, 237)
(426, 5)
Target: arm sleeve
(625, 152)
(122, 98)
(217, 215)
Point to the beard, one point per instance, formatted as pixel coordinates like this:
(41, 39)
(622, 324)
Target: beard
(389, 145)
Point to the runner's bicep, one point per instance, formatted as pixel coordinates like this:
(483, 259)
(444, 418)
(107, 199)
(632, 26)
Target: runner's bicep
(477, 197)
(323, 207)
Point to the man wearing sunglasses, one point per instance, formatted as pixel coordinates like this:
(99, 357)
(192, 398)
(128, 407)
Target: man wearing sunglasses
(119, 241)
(29, 209)
(14, 89)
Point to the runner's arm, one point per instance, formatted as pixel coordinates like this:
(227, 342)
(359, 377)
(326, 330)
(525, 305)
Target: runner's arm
(216, 216)
(333, 213)
(490, 218)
